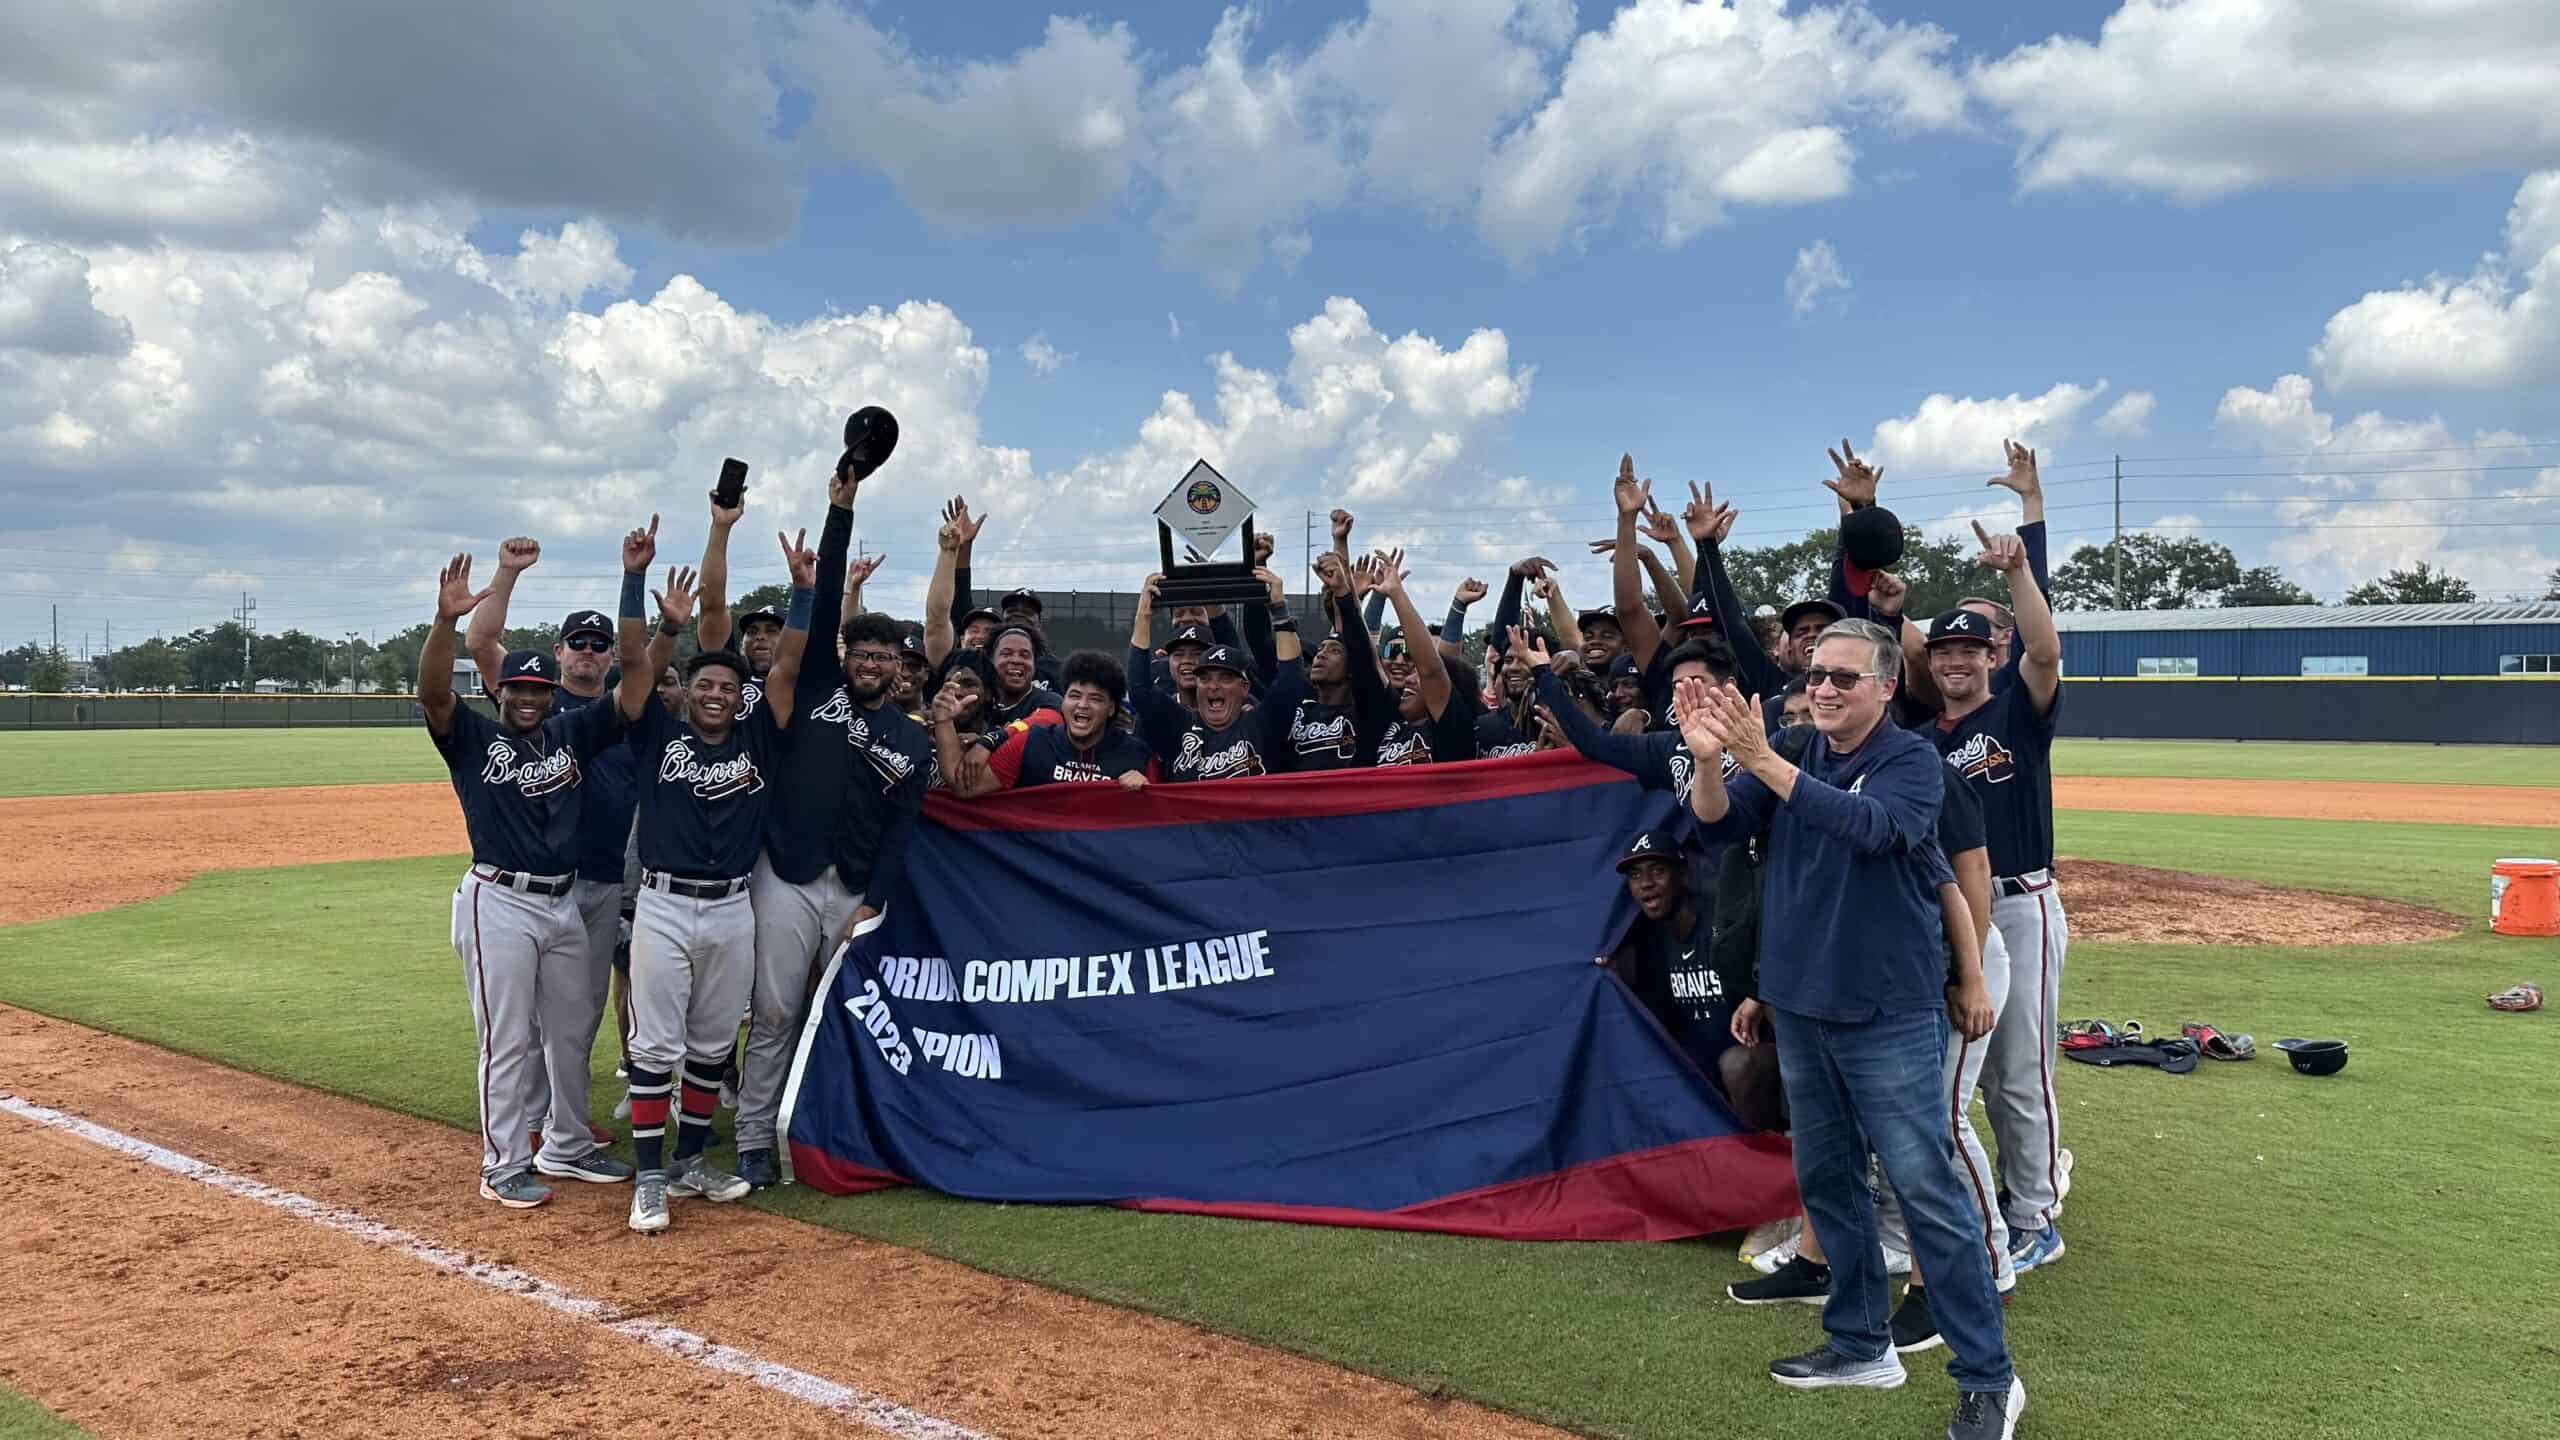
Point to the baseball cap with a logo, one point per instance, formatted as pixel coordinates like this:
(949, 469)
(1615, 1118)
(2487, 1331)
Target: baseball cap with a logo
(1960, 625)
(1651, 845)
(1025, 598)
(586, 622)
(529, 667)
(1191, 635)
(1224, 657)
(1700, 613)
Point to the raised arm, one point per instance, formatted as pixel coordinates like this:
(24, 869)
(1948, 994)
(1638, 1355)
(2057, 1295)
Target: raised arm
(1855, 488)
(1560, 617)
(856, 572)
(485, 638)
(1711, 523)
(822, 669)
(638, 681)
(1662, 530)
(1635, 618)
(1430, 671)
(1372, 709)
(718, 625)
(782, 682)
(675, 607)
(2039, 643)
(2029, 487)
(941, 611)
(454, 599)
(1633, 754)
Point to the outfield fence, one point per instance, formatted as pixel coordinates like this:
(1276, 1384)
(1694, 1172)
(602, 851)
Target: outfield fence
(21, 710)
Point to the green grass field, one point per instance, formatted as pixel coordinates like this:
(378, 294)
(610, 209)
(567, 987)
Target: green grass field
(118, 762)
(2251, 1251)
(24, 1419)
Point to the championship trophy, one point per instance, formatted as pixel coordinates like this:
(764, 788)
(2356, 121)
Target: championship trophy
(1206, 508)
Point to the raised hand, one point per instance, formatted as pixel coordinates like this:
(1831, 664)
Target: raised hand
(1543, 588)
(2004, 553)
(802, 560)
(1341, 520)
(724, 516)
(956, 515)
(1887, 593)
(519, 553)
(1654, 525)
(949, 705)
(1858, 479)
(1147, 591)
(842, 488)
(1605, 547)
(454, 596)
(861, 568)
(675, 603)
(1692, 711)
(1470, 590)
(1391, 573)
(1707, 520)
(1331, 575)
(639, 548)
(1532, 566)
(1264, 543)
(1631, 494)
(1531, 646)
(1271, 582)
(2022, 471)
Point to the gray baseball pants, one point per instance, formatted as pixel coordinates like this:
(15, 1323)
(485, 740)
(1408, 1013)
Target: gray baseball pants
(600, 914)
(2017, 1078)
(1955, 1103)
(524, 968)
(795, 925)
(692, 962)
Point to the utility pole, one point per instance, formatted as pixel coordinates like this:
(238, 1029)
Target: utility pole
(57, 629)
(2119, 532)
(110, 653)
(248, 620)
(1307, 543)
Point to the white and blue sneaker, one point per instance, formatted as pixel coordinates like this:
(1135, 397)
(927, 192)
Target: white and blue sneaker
(2033, 1248)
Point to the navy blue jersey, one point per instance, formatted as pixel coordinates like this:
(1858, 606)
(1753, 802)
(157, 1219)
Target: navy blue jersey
(1675, 975)
(1047, 755)
(750, 696)
(1446, 738)
(2004, 752)
(855, 774)
(1037, 698)
(1323, 737)
(613, 791)
(523, 796)
(703, 806)
(1189, 749)
(1498, 736)
(1659, 759)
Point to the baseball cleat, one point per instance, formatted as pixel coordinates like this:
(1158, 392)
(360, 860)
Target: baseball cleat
(697, 1176)
(519, 1191)
(595, 1167)
(649, 1202)
(758, 1169)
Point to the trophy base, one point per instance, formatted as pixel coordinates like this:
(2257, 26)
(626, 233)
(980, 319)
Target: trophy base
(1211, 584)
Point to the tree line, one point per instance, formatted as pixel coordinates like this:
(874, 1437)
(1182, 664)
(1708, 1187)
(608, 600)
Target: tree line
(2160, 573)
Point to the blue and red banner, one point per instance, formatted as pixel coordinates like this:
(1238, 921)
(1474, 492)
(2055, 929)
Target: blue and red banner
(1360, 998)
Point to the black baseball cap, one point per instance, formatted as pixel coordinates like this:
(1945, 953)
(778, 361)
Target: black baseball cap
(981, 613)
(1960, 625)
(1623, 666)
(586, 622)
(1191, 635)
(1871, 538)
(765, 612)
(1588, 618)
(529, 667)
(1223, 657)
(1787, 618)
(911, 647)
(1026, 597)
(1651, 845)
(1701, 612)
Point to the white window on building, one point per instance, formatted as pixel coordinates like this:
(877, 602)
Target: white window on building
(2165, 665)
(2334, 665)
(2529, 664)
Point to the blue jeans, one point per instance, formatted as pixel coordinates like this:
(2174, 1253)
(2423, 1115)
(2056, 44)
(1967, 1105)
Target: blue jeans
(1876, 1084)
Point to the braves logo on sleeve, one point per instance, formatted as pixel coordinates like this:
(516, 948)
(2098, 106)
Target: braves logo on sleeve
(533, 774)
(748, 695)
(716, 781)
(1982, 757)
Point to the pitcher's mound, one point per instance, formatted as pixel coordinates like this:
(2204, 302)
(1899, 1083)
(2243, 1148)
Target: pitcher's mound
(2170, 907)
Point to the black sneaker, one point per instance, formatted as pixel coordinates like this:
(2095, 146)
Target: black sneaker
(1988, 1414)
(1798, 1282)
(1912, 1328)
(1825, 1368)
(758, 1169)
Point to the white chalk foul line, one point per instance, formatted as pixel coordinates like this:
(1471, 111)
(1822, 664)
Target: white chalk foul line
(876, 1411)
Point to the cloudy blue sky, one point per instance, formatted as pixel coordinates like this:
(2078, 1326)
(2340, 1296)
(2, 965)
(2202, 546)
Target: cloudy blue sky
(296, 302)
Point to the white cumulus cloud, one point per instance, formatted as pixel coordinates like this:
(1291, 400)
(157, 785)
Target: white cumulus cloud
(1043, 357)
(46, 304)
(1960, 433)
(1816, 274)
(2498, 327)
(2130, 417)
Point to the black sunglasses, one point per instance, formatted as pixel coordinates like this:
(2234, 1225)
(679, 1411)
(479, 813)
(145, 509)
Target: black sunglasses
(1843, 681)
(589, 644)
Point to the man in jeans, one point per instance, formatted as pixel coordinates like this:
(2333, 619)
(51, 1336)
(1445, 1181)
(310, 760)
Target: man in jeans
(1852, 970)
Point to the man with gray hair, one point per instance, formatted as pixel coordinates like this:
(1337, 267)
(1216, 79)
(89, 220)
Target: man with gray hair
(1853, 973)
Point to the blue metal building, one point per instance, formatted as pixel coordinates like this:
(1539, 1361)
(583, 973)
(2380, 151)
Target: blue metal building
(2269, 642)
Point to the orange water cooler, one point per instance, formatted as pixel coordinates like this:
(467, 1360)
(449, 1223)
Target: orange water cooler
(2524, 897)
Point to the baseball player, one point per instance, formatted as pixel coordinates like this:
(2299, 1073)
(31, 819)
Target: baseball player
(2000, 741)
(1223, 739)
(516, 922)
(1436, 707)
(585, 655)
(1338, 723)
(705, 791)
(1085, 746)
(835, 841)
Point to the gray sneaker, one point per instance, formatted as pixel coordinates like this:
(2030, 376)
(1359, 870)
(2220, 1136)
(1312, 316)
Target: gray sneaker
(698, 1176)
(595, 1167)
(1825, 1368)
(1988, 1414)
(649, 1202)
(519, 1191)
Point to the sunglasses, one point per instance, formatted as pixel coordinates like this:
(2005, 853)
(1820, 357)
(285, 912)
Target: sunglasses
(1843, 681)
(588, 644)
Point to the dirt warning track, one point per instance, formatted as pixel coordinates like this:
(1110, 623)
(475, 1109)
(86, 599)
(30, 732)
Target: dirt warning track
(147, 1303)
(2312, 800)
